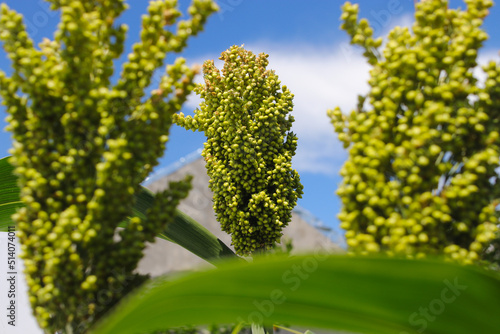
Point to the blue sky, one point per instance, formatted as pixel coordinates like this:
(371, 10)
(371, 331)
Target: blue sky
(308, 51)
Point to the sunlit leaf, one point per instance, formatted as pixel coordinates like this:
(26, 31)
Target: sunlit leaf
(357, 294)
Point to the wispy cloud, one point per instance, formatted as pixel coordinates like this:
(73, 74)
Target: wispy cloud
(320, 78)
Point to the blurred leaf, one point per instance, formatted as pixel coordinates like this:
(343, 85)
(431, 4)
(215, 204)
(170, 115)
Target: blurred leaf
(257, 329)
(9, 194)
(357, 294)
(289, 330)
(184, 231)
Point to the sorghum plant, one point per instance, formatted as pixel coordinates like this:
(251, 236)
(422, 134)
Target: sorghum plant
(421, 175)
(83, 145)
(245, 116)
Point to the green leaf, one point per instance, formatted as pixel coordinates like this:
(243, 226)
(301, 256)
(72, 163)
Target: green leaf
(183, 231)
(9, 194)
(357, 294)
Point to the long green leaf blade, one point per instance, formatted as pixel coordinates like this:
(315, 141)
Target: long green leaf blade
(183, 231)
(9, 194)
(356, 294)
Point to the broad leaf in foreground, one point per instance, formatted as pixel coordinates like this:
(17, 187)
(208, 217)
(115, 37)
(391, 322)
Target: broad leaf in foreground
(183, 231)
(357, 294)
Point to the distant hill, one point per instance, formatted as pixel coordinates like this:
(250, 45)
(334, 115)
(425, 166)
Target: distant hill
(163, 256)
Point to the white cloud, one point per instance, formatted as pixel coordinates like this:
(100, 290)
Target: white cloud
(320, 79)
(483, 59)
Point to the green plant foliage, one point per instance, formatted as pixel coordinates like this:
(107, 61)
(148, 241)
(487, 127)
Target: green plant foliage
(9, 194)
(245, 116)
(83, 145)
(183, 230)
(376, 295)
(420, 178)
